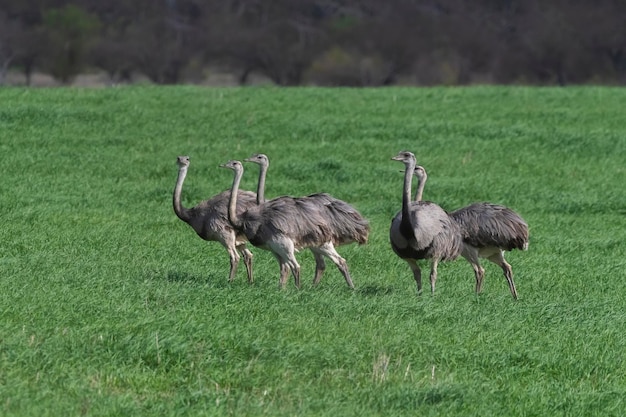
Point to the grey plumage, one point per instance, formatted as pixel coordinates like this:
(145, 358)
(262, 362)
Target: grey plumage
(283, 226)
(422, 230)
(345, 223)
(210, 221)
(487, 230)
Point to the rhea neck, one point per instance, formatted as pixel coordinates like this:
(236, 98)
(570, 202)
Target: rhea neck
(232, 204)
(406, 193)
(421, 181)
(260, 189)
(182, 212)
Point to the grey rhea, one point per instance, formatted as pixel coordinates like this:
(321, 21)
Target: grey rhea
(210, 221)
(422, 230)
(487, 230)
(282, 225)
(346, 224)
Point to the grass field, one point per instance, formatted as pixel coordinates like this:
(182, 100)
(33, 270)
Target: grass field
(110, 305)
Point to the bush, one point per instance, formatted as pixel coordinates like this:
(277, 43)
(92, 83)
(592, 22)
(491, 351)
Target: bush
(339, 67)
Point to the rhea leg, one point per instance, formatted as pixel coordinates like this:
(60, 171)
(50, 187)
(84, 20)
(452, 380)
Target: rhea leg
(285, 266)
(417, 274)
(320, 266)
(295, 270)
(498, 259)
(471, 255)
(247, 260)
(229, 241)
(284, 273)
(433, 275)
(234, 262)
(329, 250)
(283, 250)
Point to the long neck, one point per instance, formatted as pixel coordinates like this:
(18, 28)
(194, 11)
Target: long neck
(421, 181)
(232, 204)
(406, 193)
(260, 190)
(180, 211)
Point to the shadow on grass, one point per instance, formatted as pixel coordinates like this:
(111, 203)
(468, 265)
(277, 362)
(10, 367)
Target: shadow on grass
(406, 398)
(375, 290)
(213, 281)
(184, 277)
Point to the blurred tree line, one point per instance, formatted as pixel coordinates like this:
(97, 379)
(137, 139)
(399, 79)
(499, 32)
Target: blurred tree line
(321, 42)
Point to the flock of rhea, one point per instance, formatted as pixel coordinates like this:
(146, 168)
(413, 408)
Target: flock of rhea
(321, 222)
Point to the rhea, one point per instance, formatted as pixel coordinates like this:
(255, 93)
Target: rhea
(487, 230)
(210, 221)
(346, 224)
(283, 225)
(422, 229)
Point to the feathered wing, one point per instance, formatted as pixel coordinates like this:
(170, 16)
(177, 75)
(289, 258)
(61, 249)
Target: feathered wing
(210, 216)
(346, 223)
(432, 234)
(219, 202)
(296, 218)
(432, 224)
(486, 224)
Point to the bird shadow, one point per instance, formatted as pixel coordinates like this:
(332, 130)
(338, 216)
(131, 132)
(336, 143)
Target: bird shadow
(183, 277)
(375, 290)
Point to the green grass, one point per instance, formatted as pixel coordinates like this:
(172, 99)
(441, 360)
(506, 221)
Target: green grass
(110, 305)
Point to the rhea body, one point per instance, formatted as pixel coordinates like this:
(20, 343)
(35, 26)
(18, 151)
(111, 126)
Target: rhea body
(345, 223)
(283, 226)
(488, 230)
(422, 229)
(209, 219)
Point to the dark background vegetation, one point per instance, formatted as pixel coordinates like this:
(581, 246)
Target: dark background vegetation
(319, 42)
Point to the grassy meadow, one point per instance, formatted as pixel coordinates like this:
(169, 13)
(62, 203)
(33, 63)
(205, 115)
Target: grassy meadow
(110, 305)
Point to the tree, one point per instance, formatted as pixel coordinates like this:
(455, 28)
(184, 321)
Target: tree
(111, 53)
(276, 38)
(355, 42)
(608, 39)
(389, 35)
(70, 30)
(8, 48)
(554, 43)
(161, 41)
